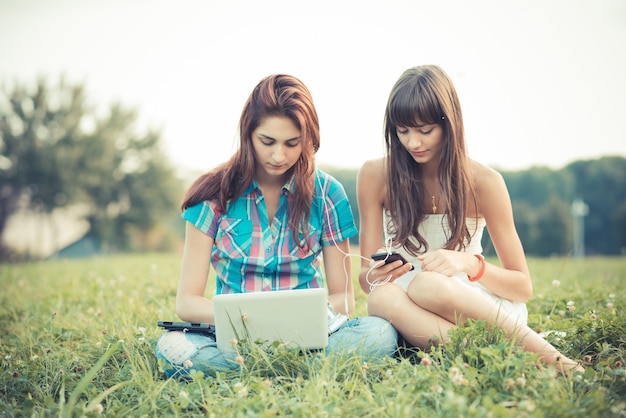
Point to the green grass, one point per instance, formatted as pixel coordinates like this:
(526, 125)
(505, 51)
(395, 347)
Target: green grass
(77, 338)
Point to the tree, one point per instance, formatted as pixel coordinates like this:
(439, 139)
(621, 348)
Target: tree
(128, 180)
(554, 229)
(601, 183)
(55, 151)
(38, 134)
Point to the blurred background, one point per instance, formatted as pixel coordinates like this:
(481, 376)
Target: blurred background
(109, 109)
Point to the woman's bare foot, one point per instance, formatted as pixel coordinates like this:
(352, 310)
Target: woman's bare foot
(567, 366)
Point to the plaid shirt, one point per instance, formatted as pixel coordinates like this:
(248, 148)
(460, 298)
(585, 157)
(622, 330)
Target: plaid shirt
(251, 255)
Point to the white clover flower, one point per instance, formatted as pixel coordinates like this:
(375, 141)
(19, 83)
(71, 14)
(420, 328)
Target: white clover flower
(556, 283)
(459, 379)
(98, 409)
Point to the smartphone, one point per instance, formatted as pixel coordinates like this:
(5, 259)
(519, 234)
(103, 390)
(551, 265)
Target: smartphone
(199, 327)
(391, 257)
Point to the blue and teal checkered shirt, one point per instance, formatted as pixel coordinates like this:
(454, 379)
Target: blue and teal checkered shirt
(251, 255)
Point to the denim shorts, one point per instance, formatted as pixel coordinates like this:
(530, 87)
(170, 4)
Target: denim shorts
(369, 336)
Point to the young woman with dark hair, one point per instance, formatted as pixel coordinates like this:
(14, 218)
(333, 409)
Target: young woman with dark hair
(427, 200)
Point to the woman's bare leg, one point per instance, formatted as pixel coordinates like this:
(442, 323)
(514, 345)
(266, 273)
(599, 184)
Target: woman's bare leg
(456, 302)
(416, 325)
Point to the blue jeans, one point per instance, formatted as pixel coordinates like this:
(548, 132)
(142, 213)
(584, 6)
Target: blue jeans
(370, 337)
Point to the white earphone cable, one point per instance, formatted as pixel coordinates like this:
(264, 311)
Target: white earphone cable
(388, 244)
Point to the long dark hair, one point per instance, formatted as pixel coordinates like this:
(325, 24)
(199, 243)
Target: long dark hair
(275, 95)
(426, 94)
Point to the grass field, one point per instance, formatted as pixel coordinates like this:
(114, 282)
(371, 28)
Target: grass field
(77, 338)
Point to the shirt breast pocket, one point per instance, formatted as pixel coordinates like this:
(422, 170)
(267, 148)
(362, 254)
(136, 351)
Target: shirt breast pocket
(300, 250)
(234, 238)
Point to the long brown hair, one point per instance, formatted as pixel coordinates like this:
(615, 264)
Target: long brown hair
(426, 94)
(275, 95)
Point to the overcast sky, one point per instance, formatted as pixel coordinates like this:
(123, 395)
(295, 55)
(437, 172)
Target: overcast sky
(541, 82)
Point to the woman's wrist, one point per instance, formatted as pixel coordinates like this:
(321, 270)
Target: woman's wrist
(481, 269)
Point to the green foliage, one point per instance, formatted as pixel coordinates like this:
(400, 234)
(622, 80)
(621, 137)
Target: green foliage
(56, 151)
(39, 133)
(542, 199)
(348, 179)
(78, 340)
(601, 184)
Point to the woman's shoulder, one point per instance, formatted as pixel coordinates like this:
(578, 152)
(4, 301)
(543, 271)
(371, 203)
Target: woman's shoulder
(327, 184)
(377, 164)
(490, 189)
(485, 176)
(202, 206)
(372, 169)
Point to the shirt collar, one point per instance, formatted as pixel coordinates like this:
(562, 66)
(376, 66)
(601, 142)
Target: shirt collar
(289, 186)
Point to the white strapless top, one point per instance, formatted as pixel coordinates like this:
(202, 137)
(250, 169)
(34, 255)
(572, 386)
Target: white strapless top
(436, 232)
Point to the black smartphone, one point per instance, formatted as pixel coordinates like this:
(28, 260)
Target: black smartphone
(199, 327)
(390, 258)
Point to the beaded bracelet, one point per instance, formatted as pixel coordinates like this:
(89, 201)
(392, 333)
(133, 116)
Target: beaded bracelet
(481, 271)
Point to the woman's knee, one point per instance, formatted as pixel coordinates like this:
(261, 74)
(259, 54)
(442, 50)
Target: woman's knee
(383, 299)
(367, 336)
(175, 348)
(185, 352)
(430, 290)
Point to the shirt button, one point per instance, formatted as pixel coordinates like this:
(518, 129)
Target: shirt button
(268, 249)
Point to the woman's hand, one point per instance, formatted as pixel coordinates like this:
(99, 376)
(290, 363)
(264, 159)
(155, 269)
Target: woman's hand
(379, 272)
(449, 262)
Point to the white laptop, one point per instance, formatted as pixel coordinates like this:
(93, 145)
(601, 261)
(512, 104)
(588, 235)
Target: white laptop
(298, 318)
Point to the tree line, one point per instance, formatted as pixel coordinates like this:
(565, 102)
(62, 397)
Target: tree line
(543, 199)
(57, 151)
